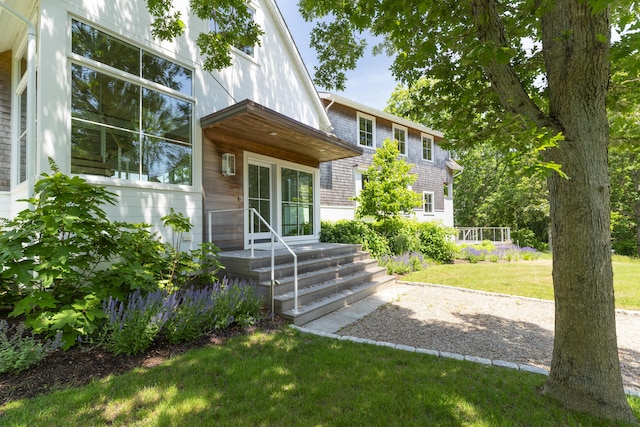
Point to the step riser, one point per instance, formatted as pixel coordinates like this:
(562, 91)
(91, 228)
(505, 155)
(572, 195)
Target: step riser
(287, 270)
(287, 303)
(305, 317)
(320, 276)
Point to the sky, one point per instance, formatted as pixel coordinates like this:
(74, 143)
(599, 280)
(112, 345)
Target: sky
(371, 83)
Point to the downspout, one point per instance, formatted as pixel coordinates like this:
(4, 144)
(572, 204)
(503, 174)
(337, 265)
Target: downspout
(31, 98)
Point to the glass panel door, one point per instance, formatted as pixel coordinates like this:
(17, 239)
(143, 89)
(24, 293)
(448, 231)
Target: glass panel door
(297, 203)
(260, 196)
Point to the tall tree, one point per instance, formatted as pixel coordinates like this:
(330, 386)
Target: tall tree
(386, 193)
(476, 52)
(478, 55)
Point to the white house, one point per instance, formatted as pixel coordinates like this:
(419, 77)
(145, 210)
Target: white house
(86, 84)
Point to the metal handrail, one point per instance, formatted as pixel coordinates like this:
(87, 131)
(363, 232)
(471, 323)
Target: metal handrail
(274, 236)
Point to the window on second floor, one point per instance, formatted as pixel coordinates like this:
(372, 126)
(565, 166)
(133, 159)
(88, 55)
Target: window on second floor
(427, 201)
(366, 130)
(217, 26)
(400, 135)
(427, 148)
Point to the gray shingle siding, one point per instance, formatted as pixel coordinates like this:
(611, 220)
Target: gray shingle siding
(5, 121)
(337, 179)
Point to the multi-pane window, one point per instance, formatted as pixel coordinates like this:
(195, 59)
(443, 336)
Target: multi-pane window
(427, 202)
(400, 135)
(366, 127)
(297, 202)
(132, 117)
(216, 25)
(427, 148)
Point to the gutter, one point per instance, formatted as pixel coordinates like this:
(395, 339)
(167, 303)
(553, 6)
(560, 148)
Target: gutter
(31, 98)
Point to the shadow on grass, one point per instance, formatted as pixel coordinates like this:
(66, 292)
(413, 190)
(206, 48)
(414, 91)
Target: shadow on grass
(290, 378)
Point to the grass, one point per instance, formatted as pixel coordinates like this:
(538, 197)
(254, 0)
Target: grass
(289, 378)
(527, 278)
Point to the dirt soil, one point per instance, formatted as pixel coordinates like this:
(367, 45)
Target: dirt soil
(78, 366)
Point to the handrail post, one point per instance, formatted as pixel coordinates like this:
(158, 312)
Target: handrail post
(295, 283)
(251, 231)
(273, 274)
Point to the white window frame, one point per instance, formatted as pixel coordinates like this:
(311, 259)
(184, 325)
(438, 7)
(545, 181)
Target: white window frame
(240, 50)
(432, 197)
(404, 130)
(373, 130)
(431, 148)
(76, 59)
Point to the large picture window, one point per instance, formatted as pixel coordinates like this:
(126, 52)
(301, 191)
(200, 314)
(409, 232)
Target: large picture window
(297, 203)
(132, 119)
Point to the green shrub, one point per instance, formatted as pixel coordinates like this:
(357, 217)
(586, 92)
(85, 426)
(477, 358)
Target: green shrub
(19, 352)
(524, 237)
(355, 232)
(401, 233)
(394, 236)
(63, 257)
(436, 241)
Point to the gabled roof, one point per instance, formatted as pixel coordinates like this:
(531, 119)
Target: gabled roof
(332, 97)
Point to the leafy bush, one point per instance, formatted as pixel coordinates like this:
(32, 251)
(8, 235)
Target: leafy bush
(401, 233)
(394, 236)
(54, 258)
(50, 253)
(19, 352)
(436, 241)
(524, 237)
(355, 232)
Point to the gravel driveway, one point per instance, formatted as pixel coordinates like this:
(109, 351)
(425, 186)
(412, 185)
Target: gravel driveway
(492, 326)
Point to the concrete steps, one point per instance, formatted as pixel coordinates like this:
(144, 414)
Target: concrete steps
(330, 276)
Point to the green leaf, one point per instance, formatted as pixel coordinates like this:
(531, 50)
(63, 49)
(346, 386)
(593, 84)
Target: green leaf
(65, 317)
(29, 303)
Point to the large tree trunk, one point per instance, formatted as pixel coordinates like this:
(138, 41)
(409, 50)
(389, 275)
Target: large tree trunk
(585, 369)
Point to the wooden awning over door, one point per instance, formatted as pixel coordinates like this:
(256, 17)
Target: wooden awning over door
(291, 140)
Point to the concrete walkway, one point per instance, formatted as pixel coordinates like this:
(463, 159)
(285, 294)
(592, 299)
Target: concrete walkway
(334, 321)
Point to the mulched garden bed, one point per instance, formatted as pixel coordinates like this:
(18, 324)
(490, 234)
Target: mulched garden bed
(78, 366)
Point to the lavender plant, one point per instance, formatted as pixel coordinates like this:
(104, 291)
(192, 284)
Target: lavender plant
(19, 352)
(244, 302)
(194, 315)
(133, 325)
(403, 264)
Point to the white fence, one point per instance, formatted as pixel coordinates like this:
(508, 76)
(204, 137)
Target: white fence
(478, 234)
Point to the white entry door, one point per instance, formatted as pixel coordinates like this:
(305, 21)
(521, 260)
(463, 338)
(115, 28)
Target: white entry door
(260, 197)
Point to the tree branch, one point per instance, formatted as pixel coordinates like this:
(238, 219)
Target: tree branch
(504, 80)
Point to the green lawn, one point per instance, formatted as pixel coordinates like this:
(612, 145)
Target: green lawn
(292, 379)
(527, 278)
